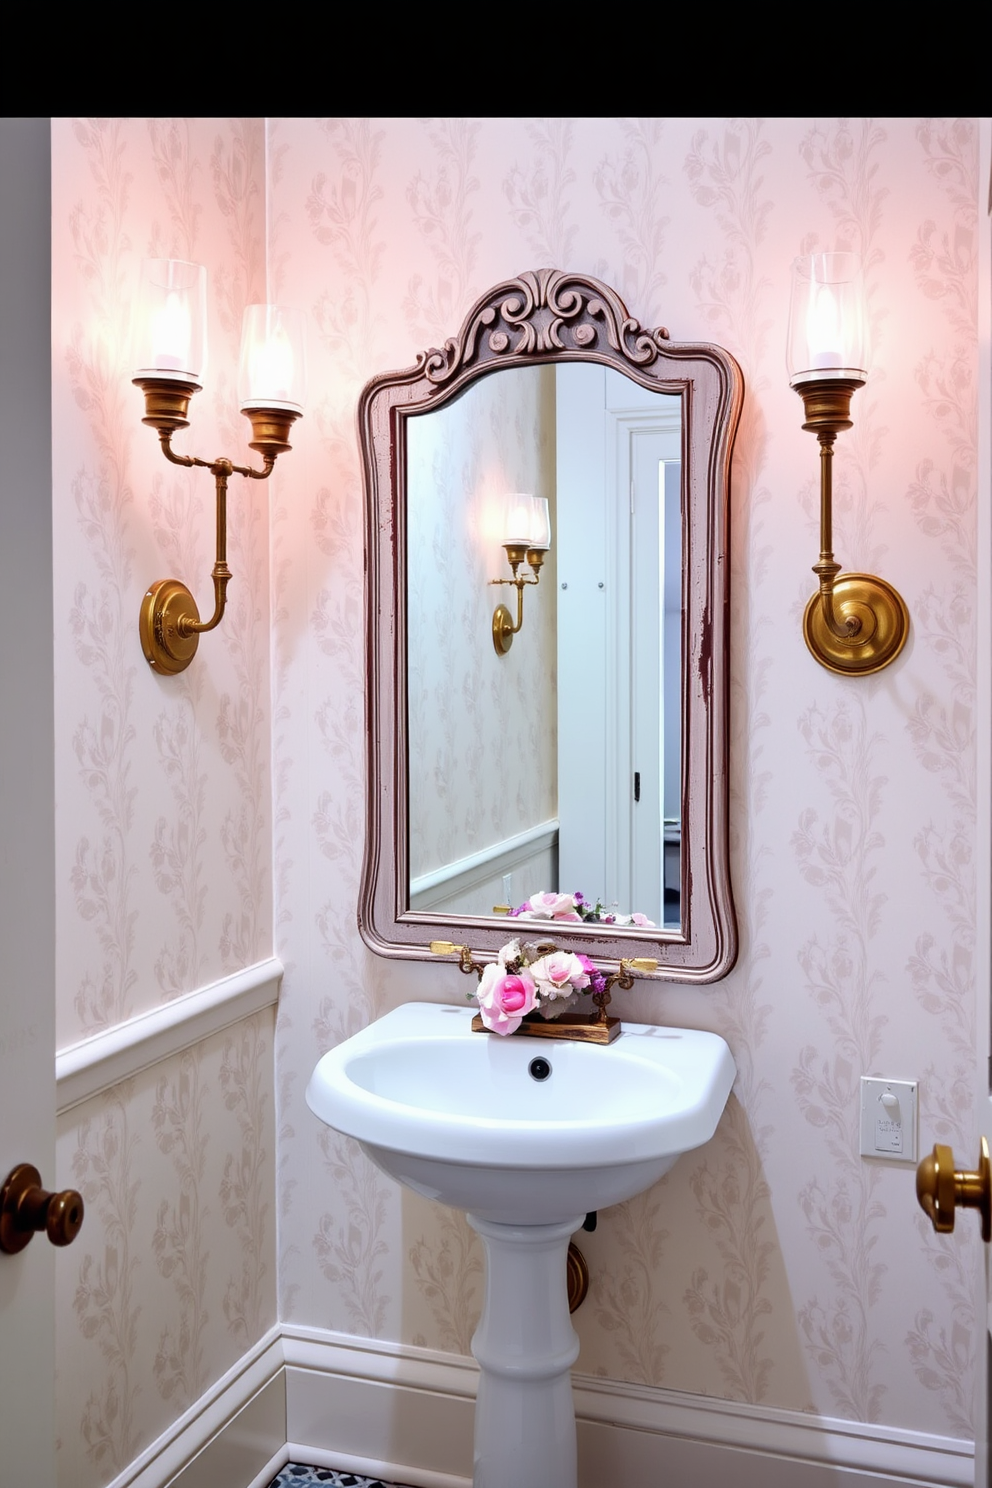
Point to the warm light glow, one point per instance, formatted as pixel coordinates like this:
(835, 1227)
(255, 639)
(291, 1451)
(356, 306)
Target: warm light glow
(526, 523)
(170, 317)
(823, 329)
(270, 368)
(827, 318)
(272, 371)
(516, 519)
(171, 333)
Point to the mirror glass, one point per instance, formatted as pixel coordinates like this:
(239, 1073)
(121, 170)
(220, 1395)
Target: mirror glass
(556, 766)
(591, 756)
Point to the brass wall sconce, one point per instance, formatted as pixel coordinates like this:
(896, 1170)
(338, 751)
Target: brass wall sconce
(857, 623)
(170, 353)
(528, 527)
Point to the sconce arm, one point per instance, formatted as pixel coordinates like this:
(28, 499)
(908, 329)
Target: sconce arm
(503, 627)
(216, 467)
(827, 568)
(855, 623)
(169, 622)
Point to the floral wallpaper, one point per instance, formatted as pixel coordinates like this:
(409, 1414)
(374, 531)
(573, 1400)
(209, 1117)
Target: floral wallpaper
(774, 1266)
(204, 819)
(164, 817)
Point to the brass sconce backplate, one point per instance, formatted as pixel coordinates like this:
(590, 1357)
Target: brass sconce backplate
(502, 629)
(881, 634)
(168, 647)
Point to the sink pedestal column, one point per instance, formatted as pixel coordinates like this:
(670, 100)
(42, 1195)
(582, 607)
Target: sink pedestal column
(525, 1346)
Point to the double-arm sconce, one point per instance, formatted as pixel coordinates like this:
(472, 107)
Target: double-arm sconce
(528, 535)
(857, 623)
(170, 346)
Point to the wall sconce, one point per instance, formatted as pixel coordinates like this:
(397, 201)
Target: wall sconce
(855, 624)
(170, 345)
(528, 535)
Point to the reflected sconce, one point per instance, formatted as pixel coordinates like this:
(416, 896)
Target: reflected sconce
(854, 624)
(170, 347)
(527, 526)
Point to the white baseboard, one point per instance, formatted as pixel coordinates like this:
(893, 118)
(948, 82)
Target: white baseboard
(230, 1436)
(405, 1414)
(412, 1408)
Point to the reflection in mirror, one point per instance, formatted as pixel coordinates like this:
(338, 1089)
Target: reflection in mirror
(558, 765)
(591, 755)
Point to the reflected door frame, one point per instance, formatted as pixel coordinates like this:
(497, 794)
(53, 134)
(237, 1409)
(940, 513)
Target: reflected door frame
(600, 421)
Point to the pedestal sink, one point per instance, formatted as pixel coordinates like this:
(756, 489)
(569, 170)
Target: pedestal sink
(527, 1137)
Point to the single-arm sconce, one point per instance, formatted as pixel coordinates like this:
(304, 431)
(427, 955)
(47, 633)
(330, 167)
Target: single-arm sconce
(170, 352)
(528, 535)
(857, 623)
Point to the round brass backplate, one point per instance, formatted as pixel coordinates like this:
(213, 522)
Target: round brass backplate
(166, 649)
(502, 630)
(884, 626)
(578, 1277)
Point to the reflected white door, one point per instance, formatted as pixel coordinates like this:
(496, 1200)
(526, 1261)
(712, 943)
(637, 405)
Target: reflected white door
(27, 809)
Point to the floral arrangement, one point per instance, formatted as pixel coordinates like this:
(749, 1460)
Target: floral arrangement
(533, 978)
(548, 905)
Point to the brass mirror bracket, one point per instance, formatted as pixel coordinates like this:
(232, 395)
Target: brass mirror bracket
(857, 623)
(503, 627)
(25, 1208)
(940, 1189)
(169, 621)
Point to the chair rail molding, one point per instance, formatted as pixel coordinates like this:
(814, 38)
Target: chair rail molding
(114, 1054)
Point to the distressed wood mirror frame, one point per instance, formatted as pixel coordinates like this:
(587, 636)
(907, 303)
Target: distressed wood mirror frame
(550, 316)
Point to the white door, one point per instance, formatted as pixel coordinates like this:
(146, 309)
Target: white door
(983, 1394)
(27, 808)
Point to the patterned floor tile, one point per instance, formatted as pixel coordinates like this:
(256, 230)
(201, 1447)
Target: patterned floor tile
(295, 1475)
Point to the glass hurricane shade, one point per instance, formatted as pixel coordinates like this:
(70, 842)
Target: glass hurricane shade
(272, 372)
(827, 319)
(169, 336)
(526, 521)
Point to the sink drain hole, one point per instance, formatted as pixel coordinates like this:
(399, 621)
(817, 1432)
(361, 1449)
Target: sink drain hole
(539, 1068)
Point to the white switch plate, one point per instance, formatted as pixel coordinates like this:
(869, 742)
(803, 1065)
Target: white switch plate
(888, 1118)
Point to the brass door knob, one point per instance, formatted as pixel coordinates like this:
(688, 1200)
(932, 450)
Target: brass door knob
(26, 1207)
(940, 1189)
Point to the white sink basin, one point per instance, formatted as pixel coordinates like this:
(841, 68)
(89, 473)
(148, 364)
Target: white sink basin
(462, 1118)
(459, 1117)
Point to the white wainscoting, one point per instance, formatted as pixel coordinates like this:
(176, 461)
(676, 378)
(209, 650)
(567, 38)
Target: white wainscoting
(405, 1414)
(472, 885)
(82, 1070)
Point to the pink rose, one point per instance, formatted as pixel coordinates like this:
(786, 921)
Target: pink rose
(559, 975)
(504, 998)
(550, 906)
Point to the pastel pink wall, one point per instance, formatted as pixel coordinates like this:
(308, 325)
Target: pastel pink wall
(773, 1266)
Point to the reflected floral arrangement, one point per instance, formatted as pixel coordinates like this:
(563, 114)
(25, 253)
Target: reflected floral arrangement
(548, 905)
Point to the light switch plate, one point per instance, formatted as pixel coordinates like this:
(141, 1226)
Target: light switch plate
(888, 1118)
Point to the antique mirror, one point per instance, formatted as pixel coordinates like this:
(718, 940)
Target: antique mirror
(574, 741)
